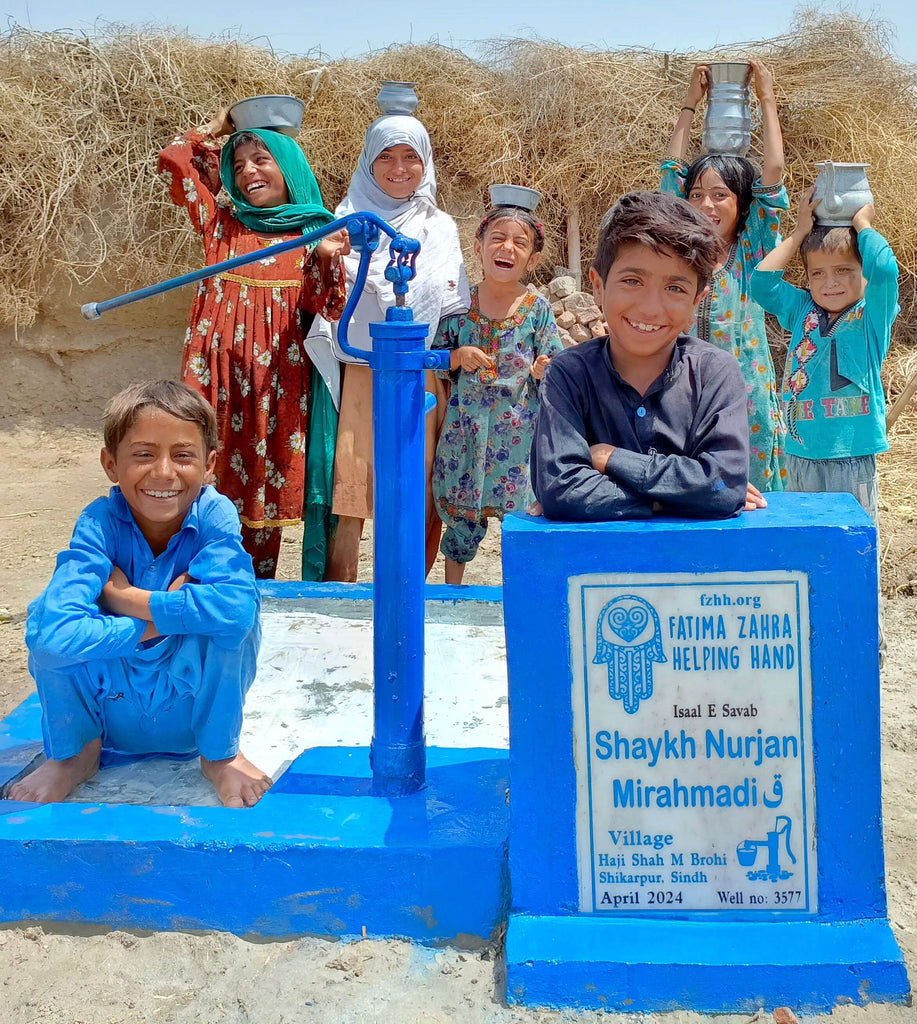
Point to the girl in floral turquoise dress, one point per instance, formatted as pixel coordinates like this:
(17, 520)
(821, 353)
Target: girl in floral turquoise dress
(745, 207)
(499, 351)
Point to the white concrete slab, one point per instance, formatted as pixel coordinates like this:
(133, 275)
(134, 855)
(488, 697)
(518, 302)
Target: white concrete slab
(314, 688)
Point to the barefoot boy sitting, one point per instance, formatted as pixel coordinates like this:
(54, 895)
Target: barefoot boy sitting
(648, 419)
(145, 639)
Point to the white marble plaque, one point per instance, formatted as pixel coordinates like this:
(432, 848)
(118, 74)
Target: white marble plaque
(692, 712)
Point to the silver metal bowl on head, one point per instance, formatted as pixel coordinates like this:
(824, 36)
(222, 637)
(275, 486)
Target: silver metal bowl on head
(727, 123)
(514, 195)
(282, 113)
(841, 189)
(397, 98)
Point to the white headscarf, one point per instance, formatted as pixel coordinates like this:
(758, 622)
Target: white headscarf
(365, 193)
(440, 287)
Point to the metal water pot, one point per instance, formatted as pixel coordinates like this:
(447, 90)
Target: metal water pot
(727, 122)
(397, 98)
(282, 113)
(842, 190)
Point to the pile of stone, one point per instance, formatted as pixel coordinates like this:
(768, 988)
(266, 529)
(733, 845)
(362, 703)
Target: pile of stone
(578, 317)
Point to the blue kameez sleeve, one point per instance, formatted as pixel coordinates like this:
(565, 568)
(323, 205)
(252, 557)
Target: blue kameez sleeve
(547, 338)
(222, 602)
(447, 337)
(784, 300)
(65, 624)
(761, 233)
(546, 341)
(880, 268)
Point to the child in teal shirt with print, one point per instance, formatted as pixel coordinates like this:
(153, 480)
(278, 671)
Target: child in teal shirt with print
(832, 397)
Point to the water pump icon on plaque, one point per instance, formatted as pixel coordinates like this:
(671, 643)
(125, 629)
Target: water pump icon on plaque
(693, 746)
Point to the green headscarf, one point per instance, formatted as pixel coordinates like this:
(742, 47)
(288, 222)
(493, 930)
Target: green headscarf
(305, 211)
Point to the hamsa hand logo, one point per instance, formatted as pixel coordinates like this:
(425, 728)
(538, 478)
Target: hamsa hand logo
(629, 640)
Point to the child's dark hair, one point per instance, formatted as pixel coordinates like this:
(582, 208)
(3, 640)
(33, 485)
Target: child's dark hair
(526, 217)
(240, 138)
(664, 223)
(739, 176)
(170, 396)
(827, 239)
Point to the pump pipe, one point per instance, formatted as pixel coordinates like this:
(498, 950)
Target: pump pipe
(399, 360)
(358, 225)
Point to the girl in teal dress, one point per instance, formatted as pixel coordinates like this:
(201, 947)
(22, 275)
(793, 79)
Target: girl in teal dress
(499, 351)
(745, 207)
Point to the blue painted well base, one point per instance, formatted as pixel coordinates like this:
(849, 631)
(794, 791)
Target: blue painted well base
(317, 855)
(653, 966)
(559, 953)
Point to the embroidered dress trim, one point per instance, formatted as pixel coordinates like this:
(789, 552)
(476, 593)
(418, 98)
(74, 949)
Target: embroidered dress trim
(703, 312)
(268, 524)
(252, 282)
(492, 329)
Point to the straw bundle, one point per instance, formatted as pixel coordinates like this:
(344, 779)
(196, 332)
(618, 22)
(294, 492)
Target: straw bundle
(81, 121)
(83, 118)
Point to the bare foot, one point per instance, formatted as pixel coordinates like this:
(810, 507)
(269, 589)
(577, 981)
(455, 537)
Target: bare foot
(54, 780)
(237, 781)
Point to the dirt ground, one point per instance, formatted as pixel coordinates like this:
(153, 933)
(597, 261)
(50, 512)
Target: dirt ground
(113, 978)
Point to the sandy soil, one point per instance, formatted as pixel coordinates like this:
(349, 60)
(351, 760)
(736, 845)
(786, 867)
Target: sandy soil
(81, 978)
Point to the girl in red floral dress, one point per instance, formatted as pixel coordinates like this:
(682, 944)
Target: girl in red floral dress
(244, 347)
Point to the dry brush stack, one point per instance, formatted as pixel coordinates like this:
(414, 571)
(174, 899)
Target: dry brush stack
(81, 120)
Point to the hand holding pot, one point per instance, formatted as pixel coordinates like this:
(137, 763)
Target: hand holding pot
(763, 79)
(805, 219)
(864, 217)
(697, 87)
(220, 124)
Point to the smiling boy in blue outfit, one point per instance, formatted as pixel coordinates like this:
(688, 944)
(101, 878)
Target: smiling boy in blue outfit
(146, 638)
(833, 401)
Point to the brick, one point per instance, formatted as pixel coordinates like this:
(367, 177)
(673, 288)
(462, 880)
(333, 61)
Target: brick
(590, 315)
(576, 302)
(561, 287)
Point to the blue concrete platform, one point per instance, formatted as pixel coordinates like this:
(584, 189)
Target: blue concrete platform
(656, 966)
(627, 902)
(317, 855)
